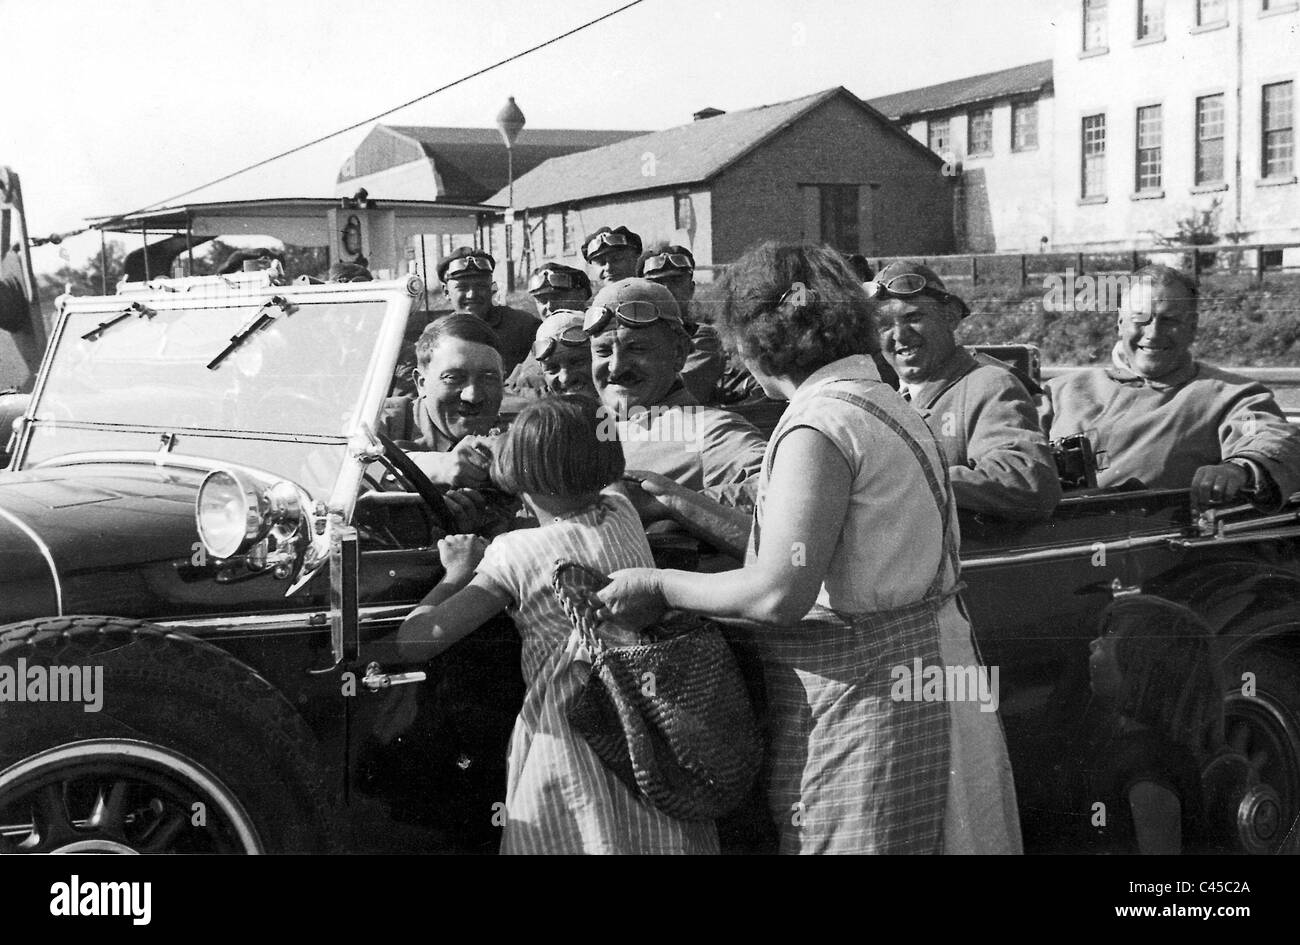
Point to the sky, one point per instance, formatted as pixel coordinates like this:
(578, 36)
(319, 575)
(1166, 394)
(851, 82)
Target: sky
(114, 106)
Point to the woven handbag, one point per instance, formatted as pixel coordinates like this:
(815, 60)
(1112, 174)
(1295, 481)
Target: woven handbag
(670, 717)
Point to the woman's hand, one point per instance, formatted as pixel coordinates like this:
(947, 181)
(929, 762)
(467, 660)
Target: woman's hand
(633, 597)
(460, 555)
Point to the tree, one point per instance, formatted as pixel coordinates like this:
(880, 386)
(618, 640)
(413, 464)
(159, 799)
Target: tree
(84, 279)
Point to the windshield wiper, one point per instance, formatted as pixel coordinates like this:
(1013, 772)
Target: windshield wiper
(135, 308)
(264, 317)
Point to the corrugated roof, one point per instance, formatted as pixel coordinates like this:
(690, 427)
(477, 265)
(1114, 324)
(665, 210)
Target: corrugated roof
(472, 161)
(977, 88)
(676, 156)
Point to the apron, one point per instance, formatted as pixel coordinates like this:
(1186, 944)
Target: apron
(851, 769)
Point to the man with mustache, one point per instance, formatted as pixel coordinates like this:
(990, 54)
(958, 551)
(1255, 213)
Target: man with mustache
(982, 414)
(638, 349)
(458, 383)
(1161, 418)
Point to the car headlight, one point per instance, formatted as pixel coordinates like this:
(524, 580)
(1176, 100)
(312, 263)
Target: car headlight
(236, 511)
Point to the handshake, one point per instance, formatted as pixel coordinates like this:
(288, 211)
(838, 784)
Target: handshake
(465, 466)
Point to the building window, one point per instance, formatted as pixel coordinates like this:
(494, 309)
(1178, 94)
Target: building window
(1210, 11)
(683, 212)
(839, 216)
(1148, 148)
(566, 232)
(979, 131)
(1094, 24)
(1151, 19)
(1278, 125)
(1209, 139)
(1094, 156)
(1024, 125)
(940, 135)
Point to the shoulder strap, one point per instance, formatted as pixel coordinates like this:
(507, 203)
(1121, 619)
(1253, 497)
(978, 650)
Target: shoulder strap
(940, 495)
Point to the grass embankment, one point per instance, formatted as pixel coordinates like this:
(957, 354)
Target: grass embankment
(1241, 325)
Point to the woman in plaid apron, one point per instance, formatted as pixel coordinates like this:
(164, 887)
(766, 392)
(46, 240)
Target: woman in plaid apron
(850, 586)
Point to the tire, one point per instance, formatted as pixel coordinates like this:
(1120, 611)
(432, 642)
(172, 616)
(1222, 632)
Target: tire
(190, 751)
(1263, 734)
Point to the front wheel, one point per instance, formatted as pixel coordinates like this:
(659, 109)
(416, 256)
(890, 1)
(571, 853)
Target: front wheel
(150, 742)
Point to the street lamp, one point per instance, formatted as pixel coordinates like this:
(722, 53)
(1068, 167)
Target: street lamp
(510, 121)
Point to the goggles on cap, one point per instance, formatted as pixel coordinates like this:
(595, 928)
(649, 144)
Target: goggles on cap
(572, 337)
(472, 265)
(664, 260)
(602, 240)
(542, 278)
(633, 314)
(907, 285)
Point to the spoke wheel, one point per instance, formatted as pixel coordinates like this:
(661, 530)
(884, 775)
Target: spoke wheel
(121, 797)
(1262, 732)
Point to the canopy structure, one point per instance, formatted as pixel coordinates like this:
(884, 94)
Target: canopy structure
(355, 228)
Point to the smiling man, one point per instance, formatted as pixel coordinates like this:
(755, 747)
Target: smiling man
(458, 387)
(980, 411)
(466, 277)
(1161, 418)
(613, 253)
(638, 349)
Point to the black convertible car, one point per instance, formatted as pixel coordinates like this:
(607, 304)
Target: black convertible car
(204, 548)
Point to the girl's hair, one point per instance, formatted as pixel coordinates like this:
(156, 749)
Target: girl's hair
(1171, 680)
(555, 448)
(795, 308)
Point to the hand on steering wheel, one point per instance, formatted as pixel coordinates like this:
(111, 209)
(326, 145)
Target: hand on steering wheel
(420, 484)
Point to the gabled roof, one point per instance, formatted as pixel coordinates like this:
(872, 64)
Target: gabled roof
(686, 154)
(1019, 80)
(472, 163)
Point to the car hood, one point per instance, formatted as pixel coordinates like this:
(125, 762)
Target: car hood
(93, 537)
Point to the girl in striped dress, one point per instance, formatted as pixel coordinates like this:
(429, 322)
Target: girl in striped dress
(560, 798)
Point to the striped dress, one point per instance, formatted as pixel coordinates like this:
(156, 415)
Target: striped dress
(560, 798)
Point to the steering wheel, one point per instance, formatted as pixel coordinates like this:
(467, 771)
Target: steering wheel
(420, 484)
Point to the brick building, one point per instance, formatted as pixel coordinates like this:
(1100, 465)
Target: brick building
(826, 167)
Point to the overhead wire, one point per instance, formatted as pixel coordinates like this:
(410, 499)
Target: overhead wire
(365, 121)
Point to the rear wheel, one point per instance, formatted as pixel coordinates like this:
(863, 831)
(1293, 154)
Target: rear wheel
(156, 743)
(1256, 788)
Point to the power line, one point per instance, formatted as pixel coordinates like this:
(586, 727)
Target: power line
(386, 113)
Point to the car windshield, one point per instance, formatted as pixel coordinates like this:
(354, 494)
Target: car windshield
(274, 381)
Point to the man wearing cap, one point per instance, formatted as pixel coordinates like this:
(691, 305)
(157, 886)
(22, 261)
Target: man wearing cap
(1158, 417)
(562, 355)
(554, 287)
(612, 252)
(980, 411)
(466, 277)
(638, 349)
(673, 267)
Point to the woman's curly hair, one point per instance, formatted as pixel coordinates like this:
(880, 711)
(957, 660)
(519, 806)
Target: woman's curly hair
(794, 308)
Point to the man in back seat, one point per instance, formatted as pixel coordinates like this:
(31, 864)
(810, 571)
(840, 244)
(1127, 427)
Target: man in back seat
(979, 410)
(1159, 418)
